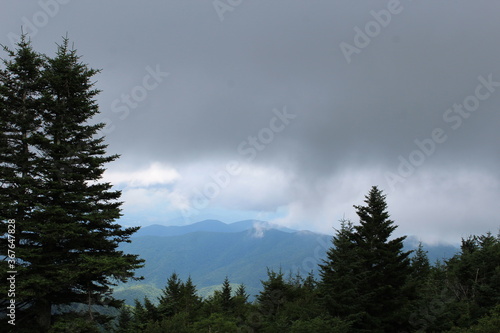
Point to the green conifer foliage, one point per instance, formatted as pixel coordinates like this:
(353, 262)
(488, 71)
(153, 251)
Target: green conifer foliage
(170, 300)
(226, 299)
(51, 175)
(365, 273)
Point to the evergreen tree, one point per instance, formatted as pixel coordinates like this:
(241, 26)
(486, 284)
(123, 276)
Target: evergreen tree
(190, 301)
(420, 266)
(420, 288)
(20, 119)
(366, 273)
(276, 292)
(384, 267)
(339, 275)
(124, 320)
(303, 301)
(140, 316)
(151, 310)
(474, 277)
(51, 185)
(310, 282)
(226, 298)
(241, 294)
(170, 300)
(241, 304)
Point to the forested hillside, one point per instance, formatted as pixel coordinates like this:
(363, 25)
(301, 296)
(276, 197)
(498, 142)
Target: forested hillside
(208, 251)
(368, 283)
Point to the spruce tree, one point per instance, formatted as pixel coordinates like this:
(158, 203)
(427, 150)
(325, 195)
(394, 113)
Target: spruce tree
(385, 267)
(365, 273)
(51, 175)
(20, 119)
(339, 275)
(171, 298)
(420, 265)
(124, 320)
(474, 276)
(20, 85)
(151, 310)
(275, 293)
(240, 302)
(190, 301)
(241, 294)
(226, 299)
(140, 319)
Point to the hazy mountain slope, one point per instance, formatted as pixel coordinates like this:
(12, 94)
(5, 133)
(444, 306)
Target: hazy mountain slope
(160, 230)
(208, 226)
(209, 256)
(213, 253)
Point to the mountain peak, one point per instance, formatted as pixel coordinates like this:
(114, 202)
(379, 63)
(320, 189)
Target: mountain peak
(210, 226)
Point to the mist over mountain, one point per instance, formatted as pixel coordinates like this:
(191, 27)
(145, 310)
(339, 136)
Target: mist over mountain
(208, 226)
(210, 250)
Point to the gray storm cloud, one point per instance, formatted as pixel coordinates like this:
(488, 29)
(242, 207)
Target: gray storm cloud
(356, 115)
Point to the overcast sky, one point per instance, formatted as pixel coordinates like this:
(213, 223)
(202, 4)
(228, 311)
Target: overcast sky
(289, 111)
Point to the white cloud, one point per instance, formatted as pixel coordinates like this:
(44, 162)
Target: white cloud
(435, 206)
(258, 187)
(155, 174)
(253, 187)
(446, 206)
(432, 204)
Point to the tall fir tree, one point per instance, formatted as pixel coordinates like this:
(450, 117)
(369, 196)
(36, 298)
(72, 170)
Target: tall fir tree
(365, 273)
(385, 266)
(241, 294)
(339, 275)
(420, 265)
(226, 298)
(171, 299)
(190, 301)
(124, 320)
(276, 291)
(20, 120)
(52, 185)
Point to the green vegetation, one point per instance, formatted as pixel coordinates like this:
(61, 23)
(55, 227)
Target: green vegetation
(64, 241)
(368, 283)
(209, 256)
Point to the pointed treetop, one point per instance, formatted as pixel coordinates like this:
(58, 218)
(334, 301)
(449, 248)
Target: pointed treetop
(374, 218)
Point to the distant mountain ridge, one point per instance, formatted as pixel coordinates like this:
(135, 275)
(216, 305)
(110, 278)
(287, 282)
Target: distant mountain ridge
(209, 256)
(208, 226)
(210, 250)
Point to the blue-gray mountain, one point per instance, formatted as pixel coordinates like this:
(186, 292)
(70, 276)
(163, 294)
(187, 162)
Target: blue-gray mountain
(209, 226)
(210, 250)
